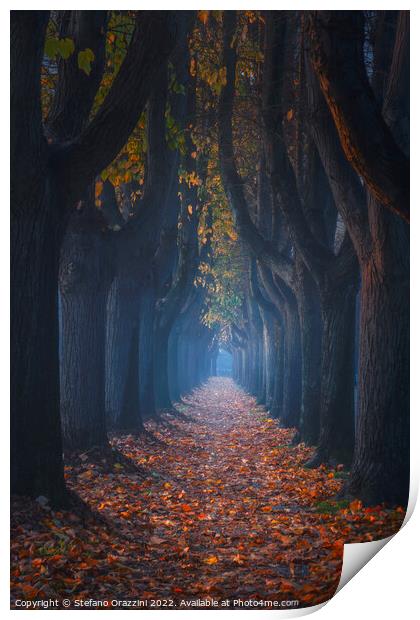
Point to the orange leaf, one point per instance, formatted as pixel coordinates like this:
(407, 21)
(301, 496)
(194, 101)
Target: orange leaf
(355, 505)
(98, 188)
(203, 16)
(37, 562)
(87, 474)
(212, 559)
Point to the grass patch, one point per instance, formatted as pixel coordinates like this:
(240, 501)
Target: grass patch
(342, 475)
(331, 507)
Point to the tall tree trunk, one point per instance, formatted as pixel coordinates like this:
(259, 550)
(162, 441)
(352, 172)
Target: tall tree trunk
(336, 440)
(36, 449)
(131, 420)
(174, 389)
(292, 368)
(122, 319)
(380, 470)
(269, 357)
(381, 463)
(160, 362)
(310, 328)
(276, 409)
(38, 170)
(84, 280)
(146, 387)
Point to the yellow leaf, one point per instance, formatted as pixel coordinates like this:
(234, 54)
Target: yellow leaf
(212, 559)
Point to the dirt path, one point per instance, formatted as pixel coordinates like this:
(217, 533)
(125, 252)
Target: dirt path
(221, 508)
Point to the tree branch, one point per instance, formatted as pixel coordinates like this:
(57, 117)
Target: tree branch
(82, 160)
(336, 39)
(283, 180)
(75, 90)
(28, 145)
(233, 184)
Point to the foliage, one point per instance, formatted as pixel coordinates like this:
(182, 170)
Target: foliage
(85, 59)
(55, 47)
(227, 514)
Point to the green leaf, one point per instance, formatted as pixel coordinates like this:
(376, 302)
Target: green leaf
(51, 47)
(85, 59)
(59, 47)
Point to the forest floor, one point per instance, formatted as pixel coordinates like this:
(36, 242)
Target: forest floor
(213, 505)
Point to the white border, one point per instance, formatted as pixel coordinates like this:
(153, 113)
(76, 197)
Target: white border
(388, 586)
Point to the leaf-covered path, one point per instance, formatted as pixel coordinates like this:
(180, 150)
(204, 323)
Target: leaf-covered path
(212, 504)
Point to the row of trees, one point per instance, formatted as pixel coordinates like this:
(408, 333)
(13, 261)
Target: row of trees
(135, 137)
(103, 302)
(328, 218)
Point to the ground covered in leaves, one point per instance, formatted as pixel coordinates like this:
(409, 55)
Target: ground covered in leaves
(213, 505)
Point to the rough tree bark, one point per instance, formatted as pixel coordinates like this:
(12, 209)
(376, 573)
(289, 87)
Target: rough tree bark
(335, 274)
(365, 135)
(380, 470)
(46, 181)
(84, 278)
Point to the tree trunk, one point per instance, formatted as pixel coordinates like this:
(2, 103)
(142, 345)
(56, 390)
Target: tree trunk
(122, 317)
(37, 467)
(160, 362)
(146, 387)
(276, 409)
(292, 369)
(84, 279)
(269, 357)
(36, 449)
(381, 465)
(336, 440)
(174, 390)
(310, 327)
(131, 420)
